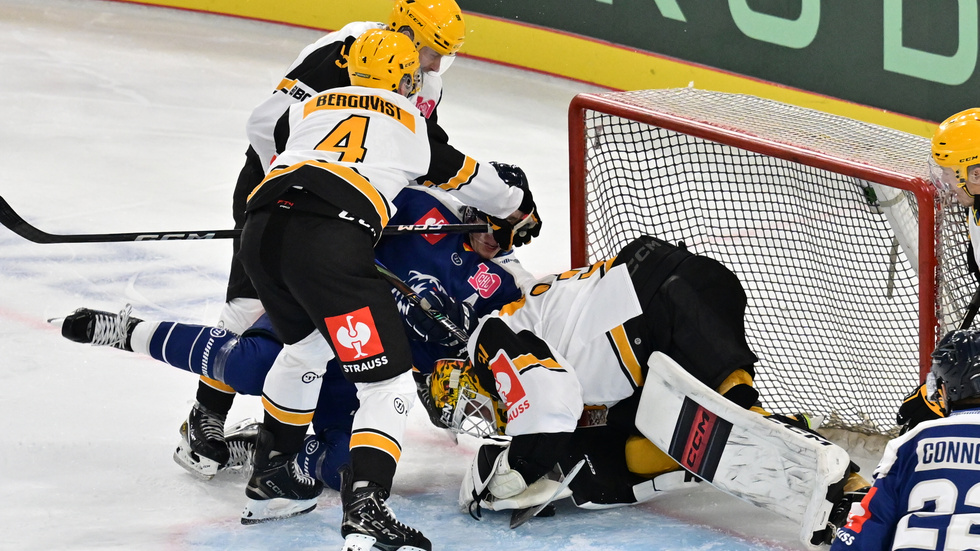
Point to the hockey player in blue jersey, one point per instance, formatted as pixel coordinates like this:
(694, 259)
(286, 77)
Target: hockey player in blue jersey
(926, 493)
(463, 275)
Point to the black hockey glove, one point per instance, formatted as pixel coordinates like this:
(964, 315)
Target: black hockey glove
(507, 234)
(916, 408)
(425, 329)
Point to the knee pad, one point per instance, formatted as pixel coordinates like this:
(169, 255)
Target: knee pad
(645, 459)
(738, 388)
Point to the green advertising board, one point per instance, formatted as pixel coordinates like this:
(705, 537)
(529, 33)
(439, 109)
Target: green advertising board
(915, 57)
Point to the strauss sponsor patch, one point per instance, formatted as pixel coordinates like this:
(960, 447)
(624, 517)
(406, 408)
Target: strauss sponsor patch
(509, 386)
(355, 337)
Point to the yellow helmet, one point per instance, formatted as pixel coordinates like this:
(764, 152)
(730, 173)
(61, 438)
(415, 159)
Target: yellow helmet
(437, 24)
(467, 407)
(956, 143)
(384, 59)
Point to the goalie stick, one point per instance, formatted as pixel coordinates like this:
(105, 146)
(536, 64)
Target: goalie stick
(14, 222)
(521, 516)
(971, 310)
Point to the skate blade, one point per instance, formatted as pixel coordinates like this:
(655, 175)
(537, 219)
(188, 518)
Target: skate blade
(265, 510)
(363, 542)
(201, 467)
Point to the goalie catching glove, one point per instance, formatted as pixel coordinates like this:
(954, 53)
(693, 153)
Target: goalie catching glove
(509, 234)
(916, 408)
(491, 483)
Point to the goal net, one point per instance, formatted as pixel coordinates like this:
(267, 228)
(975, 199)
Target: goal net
(852, 259)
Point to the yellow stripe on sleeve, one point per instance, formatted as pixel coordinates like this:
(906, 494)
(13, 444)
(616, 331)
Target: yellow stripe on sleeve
(622, 345)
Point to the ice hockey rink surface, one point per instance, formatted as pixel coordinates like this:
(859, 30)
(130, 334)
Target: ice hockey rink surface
(119, 118)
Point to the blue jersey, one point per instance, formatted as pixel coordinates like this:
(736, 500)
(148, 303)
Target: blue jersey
(447, 261)
(926, 493)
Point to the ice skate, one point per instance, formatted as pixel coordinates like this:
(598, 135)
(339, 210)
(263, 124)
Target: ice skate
(278, 488)
(202, 449)
(240, 439)
(100, 328)
(369, 523)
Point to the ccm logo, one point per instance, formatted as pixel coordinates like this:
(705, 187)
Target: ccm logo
(699, 439)
(173, 236)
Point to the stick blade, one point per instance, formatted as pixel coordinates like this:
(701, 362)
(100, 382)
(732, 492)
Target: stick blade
(521, 516)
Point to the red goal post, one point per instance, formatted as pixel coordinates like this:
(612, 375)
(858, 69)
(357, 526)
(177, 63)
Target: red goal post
(852, 258)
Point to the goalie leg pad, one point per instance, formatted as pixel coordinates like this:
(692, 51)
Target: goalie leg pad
(781, 468)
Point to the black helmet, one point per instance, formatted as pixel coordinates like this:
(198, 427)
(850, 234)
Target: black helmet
(956, 362)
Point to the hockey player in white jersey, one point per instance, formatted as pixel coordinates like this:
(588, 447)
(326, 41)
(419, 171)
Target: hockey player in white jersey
(955, 152)
(308, 247)
(573, 353)
(926, 485)
(438, 31)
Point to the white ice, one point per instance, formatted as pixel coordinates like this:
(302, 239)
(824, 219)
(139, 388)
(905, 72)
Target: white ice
(118, 117)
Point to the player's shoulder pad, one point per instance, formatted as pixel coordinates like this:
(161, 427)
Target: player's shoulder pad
(353, 29)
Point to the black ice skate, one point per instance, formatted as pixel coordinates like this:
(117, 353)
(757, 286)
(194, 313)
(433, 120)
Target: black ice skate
(369, 523)
(277, 488)
(202, 449)
(100, 328)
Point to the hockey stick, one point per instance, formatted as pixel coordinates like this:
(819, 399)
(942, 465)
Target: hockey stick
(13, 221)
(971, 310)
(520, 516)
(415, 299)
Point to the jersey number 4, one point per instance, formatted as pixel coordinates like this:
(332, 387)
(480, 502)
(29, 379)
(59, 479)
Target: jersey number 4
(347, 139)
(943, 493)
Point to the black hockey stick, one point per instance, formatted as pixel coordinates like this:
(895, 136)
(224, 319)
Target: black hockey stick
(971, 310)
(415, 299)
(18, 225)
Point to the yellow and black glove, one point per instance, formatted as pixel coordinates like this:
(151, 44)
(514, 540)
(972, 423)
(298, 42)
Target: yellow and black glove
(916, 408)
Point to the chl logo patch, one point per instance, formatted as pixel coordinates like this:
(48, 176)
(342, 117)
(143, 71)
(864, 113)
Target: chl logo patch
(484, 281)
(699, 439)
(354, 335)
(429, 218)
(509, 386)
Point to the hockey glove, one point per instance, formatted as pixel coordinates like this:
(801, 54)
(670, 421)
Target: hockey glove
(916, 408)
(514, 234)
(423, 328)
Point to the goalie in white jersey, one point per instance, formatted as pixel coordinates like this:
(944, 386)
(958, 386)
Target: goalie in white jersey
(561, 372)
(308, 246)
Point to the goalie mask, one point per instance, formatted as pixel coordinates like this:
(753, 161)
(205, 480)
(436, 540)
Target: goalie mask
(386, 60)
(956, 145)
(467, 408)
